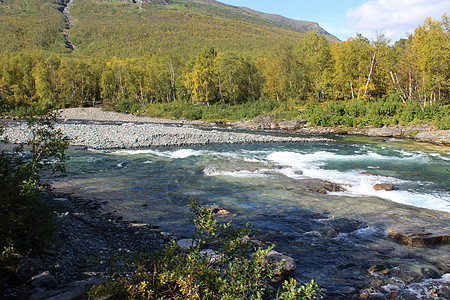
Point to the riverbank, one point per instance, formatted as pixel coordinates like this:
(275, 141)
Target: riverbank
(87, 240)
(418, 132)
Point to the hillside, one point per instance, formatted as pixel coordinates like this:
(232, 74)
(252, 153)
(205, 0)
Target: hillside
(133, 28)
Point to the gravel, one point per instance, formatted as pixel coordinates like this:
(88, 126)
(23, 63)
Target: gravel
(110, 130)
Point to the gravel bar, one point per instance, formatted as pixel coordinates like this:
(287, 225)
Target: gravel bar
(142, 133)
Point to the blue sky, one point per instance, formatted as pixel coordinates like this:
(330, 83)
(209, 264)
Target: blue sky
(345, 18)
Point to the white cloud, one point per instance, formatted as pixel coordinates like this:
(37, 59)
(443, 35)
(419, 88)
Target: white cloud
(394, 18)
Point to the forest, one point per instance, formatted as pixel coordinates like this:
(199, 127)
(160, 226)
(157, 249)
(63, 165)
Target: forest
(358, 82)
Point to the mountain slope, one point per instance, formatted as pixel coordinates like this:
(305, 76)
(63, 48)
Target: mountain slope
(135, 28)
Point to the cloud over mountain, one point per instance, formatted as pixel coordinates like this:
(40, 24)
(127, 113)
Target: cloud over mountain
(394, 18)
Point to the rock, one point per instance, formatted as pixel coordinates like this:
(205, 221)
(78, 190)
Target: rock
(223, 212)
(77, 289)
(371, 174)
(298, 172)
(289, 125)
(420, 238)
(28, 267)
(385, 131)
(186, 244)
(211, 255)
(430, 273)
(283, 265)
(43, 280)
(380, 269)
(440, 137)
(384, 186)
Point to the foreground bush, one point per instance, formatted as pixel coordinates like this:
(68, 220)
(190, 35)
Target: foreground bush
(231, 268)
(27, 221)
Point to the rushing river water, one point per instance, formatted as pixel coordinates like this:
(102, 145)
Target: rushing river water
(335, 237)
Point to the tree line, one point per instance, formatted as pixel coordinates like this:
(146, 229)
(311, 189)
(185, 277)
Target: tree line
(415, 69)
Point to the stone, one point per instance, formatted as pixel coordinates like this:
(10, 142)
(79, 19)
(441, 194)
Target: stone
(283, 265)
(186, 244)
(289, 125)
(440, 137)
(380, 269)
(419, 238)
(43, 280)
(28, 267)
(385, 131)
(211, 255)
(371, 174)
(384, 186)
(298, 172)
(77, 289)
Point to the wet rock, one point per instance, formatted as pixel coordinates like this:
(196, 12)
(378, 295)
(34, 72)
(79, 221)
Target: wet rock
(380, 269)
(298, 172)
(223, 212)
(384, 186)
(372, 174)
(283, 265)
(43, 280)
(430, 273)
(419, 238)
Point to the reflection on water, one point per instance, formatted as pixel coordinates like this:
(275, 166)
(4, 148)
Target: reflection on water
(335, 237)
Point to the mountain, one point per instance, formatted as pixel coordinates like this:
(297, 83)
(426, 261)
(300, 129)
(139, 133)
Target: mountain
(133, 28)
(302, 26)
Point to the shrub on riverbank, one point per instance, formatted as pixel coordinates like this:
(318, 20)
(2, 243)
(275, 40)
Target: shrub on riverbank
(218, 111)
(385, 111)
(27, 221)
(232, 268)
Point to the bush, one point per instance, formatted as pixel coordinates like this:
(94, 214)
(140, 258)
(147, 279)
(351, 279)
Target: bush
(27, 221)
(236, 271)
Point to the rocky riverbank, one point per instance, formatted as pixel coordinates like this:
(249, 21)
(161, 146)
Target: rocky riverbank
(418, 132)
(87, 238)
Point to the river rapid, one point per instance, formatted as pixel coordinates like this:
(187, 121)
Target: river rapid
(339, 238)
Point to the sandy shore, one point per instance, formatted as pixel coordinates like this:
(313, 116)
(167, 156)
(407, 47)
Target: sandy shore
(111, 130)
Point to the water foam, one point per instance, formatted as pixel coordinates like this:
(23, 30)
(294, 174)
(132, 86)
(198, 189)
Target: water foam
(356, 184)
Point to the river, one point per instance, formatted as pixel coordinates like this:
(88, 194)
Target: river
(335, 237)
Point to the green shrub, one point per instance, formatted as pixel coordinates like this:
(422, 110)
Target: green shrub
(238, 270)
(27, 221)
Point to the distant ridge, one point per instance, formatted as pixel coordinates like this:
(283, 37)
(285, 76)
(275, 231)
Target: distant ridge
(298, 25)
(302, 26)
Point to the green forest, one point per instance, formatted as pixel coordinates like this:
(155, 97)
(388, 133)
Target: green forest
(205, 60)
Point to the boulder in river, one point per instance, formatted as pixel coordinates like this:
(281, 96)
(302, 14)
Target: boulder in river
(384, 186)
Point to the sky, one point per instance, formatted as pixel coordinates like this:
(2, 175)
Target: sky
(345, 18)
